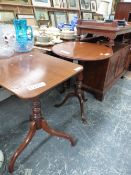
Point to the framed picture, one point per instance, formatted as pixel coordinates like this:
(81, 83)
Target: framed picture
(85, 4)
(15, 1)
(71, 15)
(52, 19)
(41, 14)
(63, 4)
(87, 16)
(72, 4)
(7, 16)
(56, 3)
(45, 3)
(93, 6)
(98, 17)
(25, 10)
(29, 17)
(61, 17)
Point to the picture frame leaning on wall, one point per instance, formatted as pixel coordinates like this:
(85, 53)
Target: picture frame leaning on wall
(63, 4)
(85, 5)
(44, 3)
(23, 2)
(71, 15)
(52, 19)
(93, 6)
(56, 3)
(61, 17)
(7, 16)
(73, 4)
(87, 15)
(31, 21)
(41, 14)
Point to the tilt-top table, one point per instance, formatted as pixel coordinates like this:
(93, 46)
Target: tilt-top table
(82, 52)
(28, 75)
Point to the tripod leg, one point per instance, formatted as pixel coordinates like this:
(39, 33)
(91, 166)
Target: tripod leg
(65, 99)
(83, 96)
(81, 101)
(80, 95)
(53, 132)
(22, 146)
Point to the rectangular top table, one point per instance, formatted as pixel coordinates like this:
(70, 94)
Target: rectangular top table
(29, 74)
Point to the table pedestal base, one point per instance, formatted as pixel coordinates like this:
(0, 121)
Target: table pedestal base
(37, 122)
(79, 93)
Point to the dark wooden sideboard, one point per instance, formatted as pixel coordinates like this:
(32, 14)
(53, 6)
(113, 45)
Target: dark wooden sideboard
(108, 30)
(123, 11)
(99, 76)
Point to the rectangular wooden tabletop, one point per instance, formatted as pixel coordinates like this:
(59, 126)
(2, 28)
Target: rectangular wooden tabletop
(30, 74)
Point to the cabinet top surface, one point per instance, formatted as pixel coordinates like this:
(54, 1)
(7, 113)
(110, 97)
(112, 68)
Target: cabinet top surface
(83, 51)
(102, 26)
(29, 74)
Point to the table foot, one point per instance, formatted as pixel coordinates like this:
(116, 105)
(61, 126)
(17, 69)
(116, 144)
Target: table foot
(37, 122)
(22, 146)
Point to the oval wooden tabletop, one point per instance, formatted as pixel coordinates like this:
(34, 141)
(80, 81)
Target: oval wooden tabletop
(29, 74)
(83, 51)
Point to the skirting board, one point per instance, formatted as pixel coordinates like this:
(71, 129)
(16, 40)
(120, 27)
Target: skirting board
(4, 94)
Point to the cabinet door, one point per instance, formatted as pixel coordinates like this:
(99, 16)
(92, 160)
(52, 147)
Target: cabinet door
(112, 68)
(128, 61)
(122, 60)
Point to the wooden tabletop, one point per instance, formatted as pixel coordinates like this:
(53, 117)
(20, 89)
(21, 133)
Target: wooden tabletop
(29, 74)
(83, 51)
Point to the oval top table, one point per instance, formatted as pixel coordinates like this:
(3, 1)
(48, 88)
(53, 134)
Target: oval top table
(82, 51)
(28, 75)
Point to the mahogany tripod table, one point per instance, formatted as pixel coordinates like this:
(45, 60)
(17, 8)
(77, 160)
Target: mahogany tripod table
(28, 75)
(82, 52)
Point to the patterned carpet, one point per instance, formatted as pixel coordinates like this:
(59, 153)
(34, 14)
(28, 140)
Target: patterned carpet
(103, 146)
